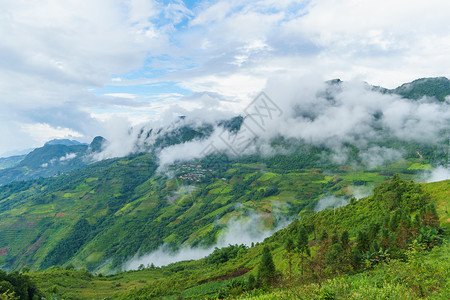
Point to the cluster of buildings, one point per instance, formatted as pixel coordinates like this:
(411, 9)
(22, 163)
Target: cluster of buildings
(192, 172)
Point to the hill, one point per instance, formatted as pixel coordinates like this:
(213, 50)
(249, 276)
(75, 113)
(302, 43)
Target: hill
(163, 195)
(432, 87)
(65, 142)
(408, 264)
(168, 195)
(100, 216)
(11, 161)
(55, 157)
(438, 87)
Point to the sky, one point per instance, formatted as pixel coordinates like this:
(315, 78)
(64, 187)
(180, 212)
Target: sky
(78, 69)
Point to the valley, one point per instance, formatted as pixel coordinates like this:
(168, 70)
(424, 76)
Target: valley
(214, 149)
(165, 221)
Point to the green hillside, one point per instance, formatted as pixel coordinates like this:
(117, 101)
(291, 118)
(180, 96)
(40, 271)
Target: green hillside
(438, 87)
(100, 216)
(393, 249)
(76, 225)
(55, 157)
(9, 162)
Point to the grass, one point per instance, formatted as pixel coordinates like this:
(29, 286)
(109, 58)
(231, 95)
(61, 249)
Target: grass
(426, 275)
(43, 209)
(365, 176)
(268, 176)
(440, 192)
(419, 166)
(91, 195)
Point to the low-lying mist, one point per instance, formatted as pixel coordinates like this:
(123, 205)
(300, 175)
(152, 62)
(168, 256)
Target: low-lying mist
(330, 202)
(438, 174)
(239, 230)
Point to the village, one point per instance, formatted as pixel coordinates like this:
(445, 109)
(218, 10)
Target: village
(192, 172)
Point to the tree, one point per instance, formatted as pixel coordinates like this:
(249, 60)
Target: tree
(345, 239)
(385, 238)
(289, 247)
(251, 283)
(266, 269)
(362, 241)
(302, 240)
(317, 265)
(302, 247)
(323, 235)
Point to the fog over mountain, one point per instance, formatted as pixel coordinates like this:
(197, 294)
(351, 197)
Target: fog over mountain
(332, 114)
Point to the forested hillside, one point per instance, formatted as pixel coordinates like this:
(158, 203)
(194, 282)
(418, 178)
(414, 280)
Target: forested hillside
(164, 200)
(391, 244)
(54, 158)
(99, 217)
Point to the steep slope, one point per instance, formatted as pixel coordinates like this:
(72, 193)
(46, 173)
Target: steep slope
(102, 215)
(55, 157)
(227, 272)
(11, 161)
(438, 87)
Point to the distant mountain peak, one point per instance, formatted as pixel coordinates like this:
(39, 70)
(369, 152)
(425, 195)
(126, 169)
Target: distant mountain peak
(97, 144)
(65, 142)
(438, 87)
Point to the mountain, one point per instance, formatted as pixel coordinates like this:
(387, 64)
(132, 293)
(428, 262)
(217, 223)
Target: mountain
(64, 142)
(344, 262)
(55, 157)
(103, 215)
(63, 155)
(97, 144)
(11, 161)
(437, 87)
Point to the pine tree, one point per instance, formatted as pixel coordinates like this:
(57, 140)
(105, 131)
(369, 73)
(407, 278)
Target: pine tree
(251, 283)
(266, 269)
(362, 241)
(345, 239)
(289, 247)
(302, 240)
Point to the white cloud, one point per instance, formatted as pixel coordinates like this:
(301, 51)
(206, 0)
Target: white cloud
(330, 202)
(122, 95)
(239, 230)
(57, 51)
(438, 174)
(44, 132)
(309, 110)
(68, 156)
(59, 54)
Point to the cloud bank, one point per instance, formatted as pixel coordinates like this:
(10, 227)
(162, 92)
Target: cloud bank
(304, 109)
(72, 68)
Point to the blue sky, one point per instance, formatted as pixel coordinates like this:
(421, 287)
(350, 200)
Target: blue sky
(75, 69)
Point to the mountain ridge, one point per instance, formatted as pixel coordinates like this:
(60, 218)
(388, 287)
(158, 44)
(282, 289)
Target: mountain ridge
(55, 157)
(141, 207)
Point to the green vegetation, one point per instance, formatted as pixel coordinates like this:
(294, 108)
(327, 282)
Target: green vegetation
(55, 157)
(10, 162)
(387, 245)
(98, 217)
(432, 87)
(266, 269)
(17, 286)
(77, 228)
